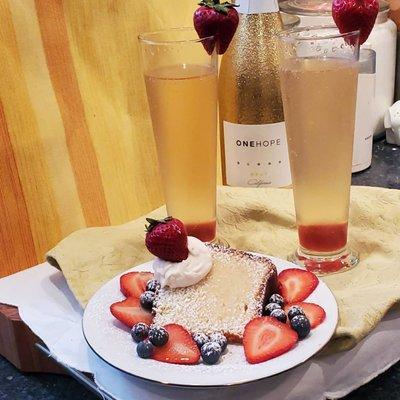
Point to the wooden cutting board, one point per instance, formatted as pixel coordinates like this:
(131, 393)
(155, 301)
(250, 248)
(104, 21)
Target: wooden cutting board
(17, 344)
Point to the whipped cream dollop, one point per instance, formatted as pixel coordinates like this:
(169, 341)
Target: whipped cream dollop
(187, 272)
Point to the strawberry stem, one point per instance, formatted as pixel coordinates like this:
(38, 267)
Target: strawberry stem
(154, 222)
(222, 8)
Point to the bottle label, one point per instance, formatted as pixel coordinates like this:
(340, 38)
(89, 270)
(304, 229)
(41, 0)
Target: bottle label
(257, 6)
(256, 155)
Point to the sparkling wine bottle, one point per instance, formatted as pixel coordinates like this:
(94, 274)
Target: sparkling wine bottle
(253, 138)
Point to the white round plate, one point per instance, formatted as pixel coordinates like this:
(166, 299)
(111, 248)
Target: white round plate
(111, 341)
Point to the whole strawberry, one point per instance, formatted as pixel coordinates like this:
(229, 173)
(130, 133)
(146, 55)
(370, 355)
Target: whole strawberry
(352, 15)
(216, 19)
(167, 239)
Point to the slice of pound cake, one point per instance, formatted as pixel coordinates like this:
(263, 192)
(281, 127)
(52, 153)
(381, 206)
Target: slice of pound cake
(232, 294)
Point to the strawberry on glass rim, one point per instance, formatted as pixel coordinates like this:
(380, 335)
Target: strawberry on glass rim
(353, 15)
(218, 20)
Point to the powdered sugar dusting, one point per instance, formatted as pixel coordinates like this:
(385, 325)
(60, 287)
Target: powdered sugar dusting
(225, 301)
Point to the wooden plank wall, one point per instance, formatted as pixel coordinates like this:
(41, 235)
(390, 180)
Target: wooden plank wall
(76, 145)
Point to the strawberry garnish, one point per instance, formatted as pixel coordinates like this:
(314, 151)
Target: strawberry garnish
(129, 312)
(353, 15)
(296, 284)
(167, 239)
(315, 313)
(265, 338)
(180, 348)
(133, 284)
(218, 20)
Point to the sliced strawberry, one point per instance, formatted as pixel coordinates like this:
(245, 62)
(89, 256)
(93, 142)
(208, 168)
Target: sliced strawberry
(129, 312)
(133, 284)
(315, 313)
(265, 338)
(180, 348)
(296, 284)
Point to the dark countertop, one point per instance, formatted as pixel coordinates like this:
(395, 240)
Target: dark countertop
(385, 172)
(385, 168)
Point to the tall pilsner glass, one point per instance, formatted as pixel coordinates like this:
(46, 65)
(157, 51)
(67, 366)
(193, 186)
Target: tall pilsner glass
(181, 83)
(319, 73)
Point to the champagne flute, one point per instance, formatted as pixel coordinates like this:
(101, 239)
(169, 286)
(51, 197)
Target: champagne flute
(181, 82)
(319, 73)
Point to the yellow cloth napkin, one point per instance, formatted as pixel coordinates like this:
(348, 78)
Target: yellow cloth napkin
(262, 220)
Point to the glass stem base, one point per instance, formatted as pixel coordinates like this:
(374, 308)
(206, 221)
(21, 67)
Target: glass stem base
(325, 264)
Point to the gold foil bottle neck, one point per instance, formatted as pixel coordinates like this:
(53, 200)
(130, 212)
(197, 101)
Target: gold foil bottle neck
(249, 78)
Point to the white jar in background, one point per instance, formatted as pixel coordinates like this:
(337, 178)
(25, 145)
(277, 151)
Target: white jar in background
(365, 119)
(382, 40)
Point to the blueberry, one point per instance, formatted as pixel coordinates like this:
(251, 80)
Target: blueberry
(200, 339)
(279, 314)
(158, 336)
(277, 298)
(153, 286)
(295, 310)
(145, 349)
(270, 307)
(139, 332)
(301, 325)
(147, 300)
(211, 352)
(220, 339)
